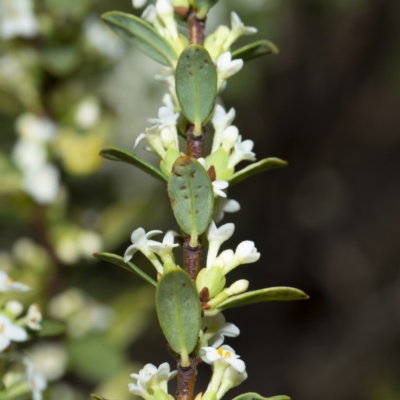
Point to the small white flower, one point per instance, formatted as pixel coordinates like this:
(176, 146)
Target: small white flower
(149, 14)
(167, 76)
(218, 187)
(150, 378)
(237, 287)
(230, 379)
(35, 129)
(139, 239)
(215, 329)
(10, 333)
(224, 355)
(166, 127)
(223, 259)
(87, 114)
(28, 155)
(220, 120)
(165, 12)
(138, 3)
(216, 236)
(42, 183)
(152, 137)
(166, 246)
(14, 308)
(246, 253)
(8, 285)
(230, 137)
(168, 101)
(243, 151)
(238, 26)
(164, 7)
(17, 19)
(34, 317)
(226, 67)
(36, 382)
(223, 205)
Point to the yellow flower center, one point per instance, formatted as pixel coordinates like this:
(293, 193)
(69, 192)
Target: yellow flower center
(224, 353)
(9, 281)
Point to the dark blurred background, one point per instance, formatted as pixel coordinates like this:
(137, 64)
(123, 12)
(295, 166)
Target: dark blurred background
(328, 224)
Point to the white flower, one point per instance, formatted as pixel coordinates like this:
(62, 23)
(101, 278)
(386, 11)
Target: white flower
(8, 285)
(230, 137)
(230, 379)
(152, 137)
(36, 382)
(223, 259)
(28, 155)
(246, 253)
(237, 287)
(87, 114)
(150, 378)
(10, 333)
(89, 242)
(220, 120)
(34, 317)
(139, 239)
(224, 355)
(165, 12)
(218, 187)
(164, 7)
(36, 129)
(242, 151)
(167, 76)
(42, 183)
(149, 14)
(238, 26)
(216, 236)
(223, 205)
(168, 101)
(166, 246)
(14, 308)
(17, 19)
(215, 329)
(166, 127)
(138, 3)
(226, 67)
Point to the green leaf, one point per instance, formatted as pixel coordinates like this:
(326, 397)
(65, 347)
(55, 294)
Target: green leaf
(141, 34)
(256, 396)
(196, 84)
(116, 154)
(279, 293)
(191, 195)
(97, 397)
(50, 328)
(117, 260)
(255, 50)
(255, 168)
(178, 310)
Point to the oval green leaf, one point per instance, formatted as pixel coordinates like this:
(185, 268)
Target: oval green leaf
(255, 50)
(256, 396)
(178, 310)
(280, 293)
(142, 35)
(117, 260)
(196, 84)
(116, 154)
(255, 168)
(191, 195)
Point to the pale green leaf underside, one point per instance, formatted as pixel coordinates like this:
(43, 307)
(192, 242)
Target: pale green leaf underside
(178, 310)
(115, 154)
(255, 50)
(117, 260)
(280, 293)
(196, 83)
(256, 396)
(191, 194)
(255, 168)
(142, 35)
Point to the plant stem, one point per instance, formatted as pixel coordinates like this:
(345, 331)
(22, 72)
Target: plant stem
(194, 143)
(186, 379)
(196, 28)
(191, 258)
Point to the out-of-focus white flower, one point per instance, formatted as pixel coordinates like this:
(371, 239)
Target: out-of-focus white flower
(17, 19)
(246, 253)
(49, 359)
(215, 329)
(140, 240)
(7, 284)
(149, 379)
(28, 155)
(90, 242)
(34, 317)
(138, 3)
(165, 11)
(37, 382)
(167, 76)
(243, 151)
(238, 26)
(226, 67)
(35, 129)
(231, 379)
(14, 308)
(87, 113)
(218, 187)
(42, 183)
(224, 355)
(216, 236)
(99, 37)
(149, 14)
(10, 333)
(223, 205)
(168, 101)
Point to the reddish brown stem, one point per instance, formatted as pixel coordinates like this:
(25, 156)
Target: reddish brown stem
(191, 258)
(194, 144)
(196, 28)
(186, 379)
